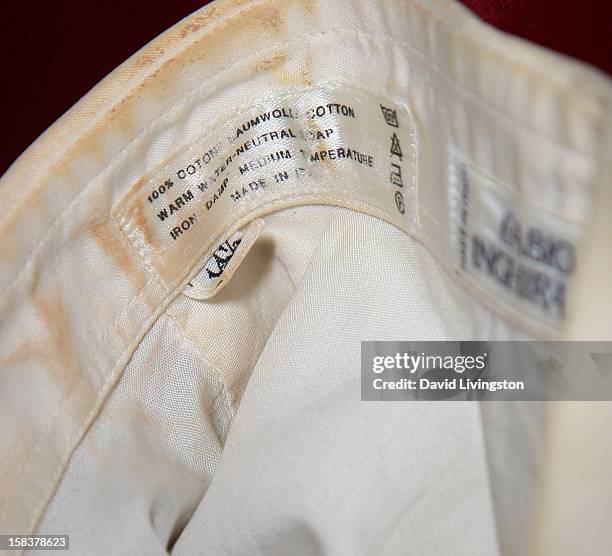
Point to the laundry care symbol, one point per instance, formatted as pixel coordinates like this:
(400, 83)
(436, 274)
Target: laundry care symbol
(396, 148)
(395, 174)
(390, 116)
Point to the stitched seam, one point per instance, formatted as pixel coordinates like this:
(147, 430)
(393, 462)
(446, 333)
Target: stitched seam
(312, 194)
(47, 424)
(43, 240)
(133, 235)
(281, 262)
(212, 367)
(171, 35)
(63, 214)
(74, 389)
(137, 244)
(438, 16)
(115, 372)
(102, 393)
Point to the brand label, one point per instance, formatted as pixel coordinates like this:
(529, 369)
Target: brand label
(224, 262)
(521, 255)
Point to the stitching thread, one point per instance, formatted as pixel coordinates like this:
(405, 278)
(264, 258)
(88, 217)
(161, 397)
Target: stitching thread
(59, 220)
(193, 93)
(47, 424)
(134, 238)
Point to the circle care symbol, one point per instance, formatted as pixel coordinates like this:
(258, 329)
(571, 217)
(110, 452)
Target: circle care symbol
(399, 202)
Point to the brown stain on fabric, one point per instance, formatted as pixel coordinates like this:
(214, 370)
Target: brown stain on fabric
(274, 62)
(26, 350)
(148, 57)
(195, 23)
(135, 214)
(17, 441)
(269, 18)
(302, 76)
(256, 24)
(310, 6)
(139, 217)
(261, 21)
(58, 342)
(137, 414)
(53, 345)
(53, 350)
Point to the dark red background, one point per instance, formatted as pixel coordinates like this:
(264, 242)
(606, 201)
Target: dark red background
(54, 52)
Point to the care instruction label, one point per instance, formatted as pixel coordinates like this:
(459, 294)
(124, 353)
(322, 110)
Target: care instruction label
(324, 145)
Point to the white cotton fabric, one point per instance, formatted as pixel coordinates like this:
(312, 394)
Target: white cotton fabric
(141, 421)
(301, 445)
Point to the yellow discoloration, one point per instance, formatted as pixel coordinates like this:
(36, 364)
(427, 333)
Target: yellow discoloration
(305, 76)
(270, 63)
(269, 18)
(136, 413)
(195, 24)
(148, 58)
(37, 208)
(53, 350)
(26, 350)
(141, 221)
(301, 77)
(118, 252)
(256, 24)
(259, 21)
(58, 343)
(95, 136)
(18, 439)
(310, 6)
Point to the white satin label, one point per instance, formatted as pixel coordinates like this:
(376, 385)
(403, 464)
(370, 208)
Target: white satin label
(344, 146)
(226, 259)
(519, 256)
(324, 145)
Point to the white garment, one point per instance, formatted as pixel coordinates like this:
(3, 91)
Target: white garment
(138, 420)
